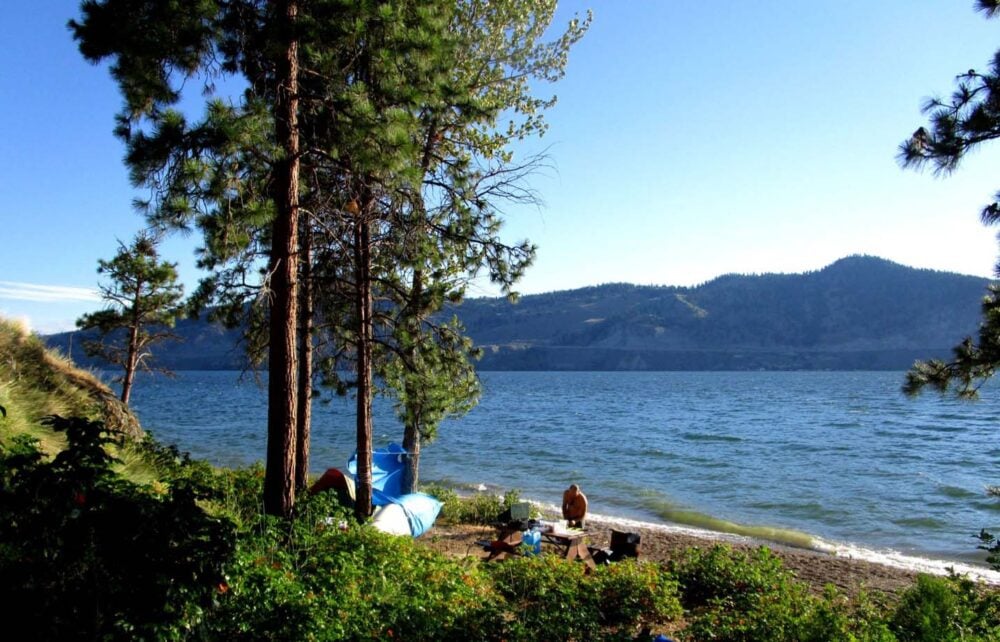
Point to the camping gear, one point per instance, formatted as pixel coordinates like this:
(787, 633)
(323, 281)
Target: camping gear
(336, 480)
(412, 514)
(387, 470)
(622, 545)
(533, 539)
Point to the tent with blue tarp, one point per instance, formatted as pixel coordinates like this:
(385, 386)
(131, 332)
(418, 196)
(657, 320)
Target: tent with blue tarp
(387, 471)
(410, 514)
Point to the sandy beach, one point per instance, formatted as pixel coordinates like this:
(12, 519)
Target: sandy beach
(815, 568)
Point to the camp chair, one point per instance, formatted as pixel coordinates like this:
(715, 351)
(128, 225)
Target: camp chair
(622, 545)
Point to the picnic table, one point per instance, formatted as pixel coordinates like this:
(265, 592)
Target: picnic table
(571, 544)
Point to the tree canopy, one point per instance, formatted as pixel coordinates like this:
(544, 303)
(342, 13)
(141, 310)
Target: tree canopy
(364, 157)
(958, 124)
(144, 300)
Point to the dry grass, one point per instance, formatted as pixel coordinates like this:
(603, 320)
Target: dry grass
(36, 382)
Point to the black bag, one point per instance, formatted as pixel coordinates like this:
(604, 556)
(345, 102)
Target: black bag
(624, 545)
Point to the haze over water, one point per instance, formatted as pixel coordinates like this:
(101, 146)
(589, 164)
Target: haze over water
(839, 456)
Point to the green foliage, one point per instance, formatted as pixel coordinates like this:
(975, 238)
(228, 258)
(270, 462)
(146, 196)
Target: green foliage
(86, 554)
(741, 595)
(478, 508)
(143, 298)
(631, 593)
(309, 579)
(550, 598)
(834, 617)
(990, 544)
(945, 609)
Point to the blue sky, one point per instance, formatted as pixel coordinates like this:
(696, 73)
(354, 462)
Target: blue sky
(691, 139)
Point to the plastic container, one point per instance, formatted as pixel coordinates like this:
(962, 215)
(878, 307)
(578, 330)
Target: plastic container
(533, 540)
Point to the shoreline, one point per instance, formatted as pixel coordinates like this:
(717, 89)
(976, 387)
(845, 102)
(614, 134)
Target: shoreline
(891, 559)
(851, 569)
(849, 551)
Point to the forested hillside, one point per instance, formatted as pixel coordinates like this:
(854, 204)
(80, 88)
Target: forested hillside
(858, 313)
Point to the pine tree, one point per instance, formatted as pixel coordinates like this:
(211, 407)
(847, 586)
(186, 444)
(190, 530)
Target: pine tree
(143, 299)
(201, 172)
(958, 125)
(450, 229)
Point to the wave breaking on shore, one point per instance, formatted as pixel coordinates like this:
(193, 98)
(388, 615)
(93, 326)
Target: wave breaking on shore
(816, 545)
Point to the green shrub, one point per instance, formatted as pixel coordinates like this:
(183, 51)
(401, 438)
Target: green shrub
(479, 508)
(741, 596)
(631, 593)
(947, 608)
(719, 572)
(86, 554)
(837, 618)
(306, 579)
(547, 599)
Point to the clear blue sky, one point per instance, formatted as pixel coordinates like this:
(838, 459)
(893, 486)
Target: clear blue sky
(691, 139)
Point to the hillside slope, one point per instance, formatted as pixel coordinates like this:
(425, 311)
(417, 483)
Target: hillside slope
(36, 382)
(860, 312)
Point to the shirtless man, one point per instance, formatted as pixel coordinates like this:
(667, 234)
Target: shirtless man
(574, 506)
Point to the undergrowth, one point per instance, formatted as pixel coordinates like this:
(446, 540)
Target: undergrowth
(88, 554)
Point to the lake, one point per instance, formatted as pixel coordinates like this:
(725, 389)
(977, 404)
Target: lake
(840, 458)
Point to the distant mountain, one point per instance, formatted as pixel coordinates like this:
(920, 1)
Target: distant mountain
(860, 312)
(203, 346)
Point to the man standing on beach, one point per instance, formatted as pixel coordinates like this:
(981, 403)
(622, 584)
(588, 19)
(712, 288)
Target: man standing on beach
(574, 506)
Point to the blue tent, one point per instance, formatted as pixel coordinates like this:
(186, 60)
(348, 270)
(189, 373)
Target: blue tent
(419, 509)
(387, 471)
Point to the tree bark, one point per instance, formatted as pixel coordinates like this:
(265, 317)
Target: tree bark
(411, 444)
(282, 407)
(305, 364)
(132, 356)
(411, 429)
(365, 331)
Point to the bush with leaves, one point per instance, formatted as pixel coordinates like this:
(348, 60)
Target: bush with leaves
(736, 595)
(549, 598)
(306, 578)
(478, 508)
(86, 554)
(631, 593)
(942, 609)
(836, 617)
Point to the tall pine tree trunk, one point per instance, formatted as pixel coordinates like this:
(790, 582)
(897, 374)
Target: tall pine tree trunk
(131, 362)
(279, 476)
(411, 444)
(305, 364)
(365, 331)
(413, 424)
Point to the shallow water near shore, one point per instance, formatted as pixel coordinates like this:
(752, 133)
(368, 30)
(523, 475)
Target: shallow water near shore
(834, 460)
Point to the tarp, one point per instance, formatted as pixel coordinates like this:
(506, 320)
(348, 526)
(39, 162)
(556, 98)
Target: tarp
(387, 471)
(399, 514)
(411, 514)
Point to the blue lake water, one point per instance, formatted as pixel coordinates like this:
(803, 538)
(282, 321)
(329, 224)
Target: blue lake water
(842, 457)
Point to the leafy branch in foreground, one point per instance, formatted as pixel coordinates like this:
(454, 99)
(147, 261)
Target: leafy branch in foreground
(959, 124)
(973, 363)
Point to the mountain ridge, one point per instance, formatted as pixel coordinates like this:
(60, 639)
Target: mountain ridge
(859, 312)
